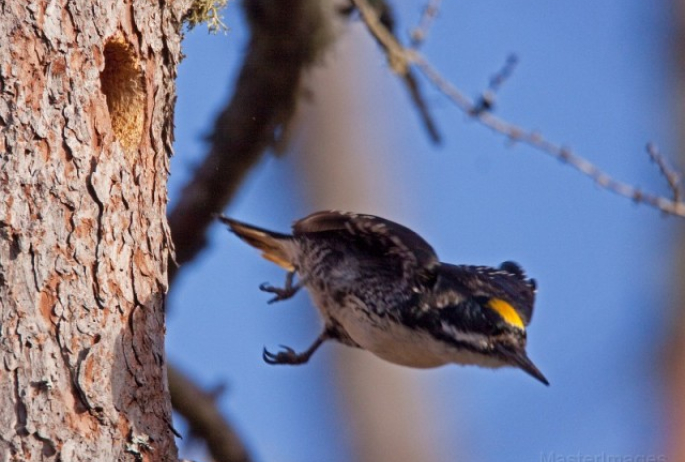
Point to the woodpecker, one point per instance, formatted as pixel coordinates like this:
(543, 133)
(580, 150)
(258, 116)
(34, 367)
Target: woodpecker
(380, 287)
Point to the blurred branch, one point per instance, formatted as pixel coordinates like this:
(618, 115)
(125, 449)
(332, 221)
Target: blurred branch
(287, 36)
(418, 100)
(486, 102)
(402, 58)
(199, 409)
(430, 12)
(386, 18)
(670, 175)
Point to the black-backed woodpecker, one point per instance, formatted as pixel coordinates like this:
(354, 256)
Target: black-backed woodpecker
(380, 286)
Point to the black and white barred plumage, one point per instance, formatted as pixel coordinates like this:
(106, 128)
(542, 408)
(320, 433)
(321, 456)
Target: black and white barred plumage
(380, 286)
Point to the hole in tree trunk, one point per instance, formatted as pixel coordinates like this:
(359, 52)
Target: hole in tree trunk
(122, 84)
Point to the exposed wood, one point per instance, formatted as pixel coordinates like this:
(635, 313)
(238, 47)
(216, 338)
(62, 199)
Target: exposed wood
(86, 106)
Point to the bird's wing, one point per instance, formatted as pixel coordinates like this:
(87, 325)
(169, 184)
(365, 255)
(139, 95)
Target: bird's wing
(383, 237)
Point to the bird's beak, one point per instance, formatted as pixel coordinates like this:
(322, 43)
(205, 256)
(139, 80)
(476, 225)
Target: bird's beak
(519, 358)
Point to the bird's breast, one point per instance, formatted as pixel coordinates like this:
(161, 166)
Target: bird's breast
(388, 339)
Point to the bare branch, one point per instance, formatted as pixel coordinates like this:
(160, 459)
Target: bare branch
(430, 12)
(669, 173)
(486, 102)
(504, 73)
(399, 57)
(405, 58)
(386, 19)
(263, 102)
(264, 99)
(417, 98)
(199, 409)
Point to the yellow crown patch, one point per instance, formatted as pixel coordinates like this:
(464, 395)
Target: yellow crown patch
(507, 312)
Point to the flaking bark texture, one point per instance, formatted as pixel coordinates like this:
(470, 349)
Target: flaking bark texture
(86, 98)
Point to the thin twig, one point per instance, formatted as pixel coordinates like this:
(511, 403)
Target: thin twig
(384, 16)
(412, 84)
(486, 101)
(669, 173)
(410, 57)
(430, 12)
(198, 407)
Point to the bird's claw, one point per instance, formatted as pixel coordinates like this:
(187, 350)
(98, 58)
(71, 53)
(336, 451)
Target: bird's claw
(286, 356)
(281, 293)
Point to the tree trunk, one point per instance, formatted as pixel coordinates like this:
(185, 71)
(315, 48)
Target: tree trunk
(86, 106)
(674, 358)
(341, 162)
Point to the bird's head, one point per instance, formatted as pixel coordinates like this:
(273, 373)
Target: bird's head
(483, 313)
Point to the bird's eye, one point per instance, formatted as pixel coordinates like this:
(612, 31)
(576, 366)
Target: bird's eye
(428, 278)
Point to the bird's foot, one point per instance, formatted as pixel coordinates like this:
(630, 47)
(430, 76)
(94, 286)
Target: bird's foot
(286, 356)
(282, 293)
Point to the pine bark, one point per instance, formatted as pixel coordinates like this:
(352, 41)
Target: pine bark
(86, 109)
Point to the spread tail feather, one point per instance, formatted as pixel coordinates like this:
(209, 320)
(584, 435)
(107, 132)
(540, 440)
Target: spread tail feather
(270, 243)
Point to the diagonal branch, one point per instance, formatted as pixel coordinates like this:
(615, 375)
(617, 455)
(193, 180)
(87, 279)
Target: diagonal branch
(430, 12)
(287, 37)
(403, 58)
(671, 176)
(199, 409)
(486, 101)
(386, 19)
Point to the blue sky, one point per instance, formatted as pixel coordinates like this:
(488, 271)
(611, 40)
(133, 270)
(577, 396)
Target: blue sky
(593, 75)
